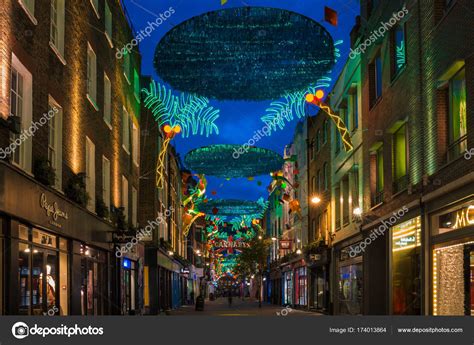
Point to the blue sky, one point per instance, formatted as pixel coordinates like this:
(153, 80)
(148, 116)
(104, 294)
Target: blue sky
(238, 120)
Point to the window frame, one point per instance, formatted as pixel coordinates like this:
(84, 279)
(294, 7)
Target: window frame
(58, 46)
(90, 174)
(125, 130)
(108, 20)
(91, 91)
(57, 122)
(395, 71)
(107, 101)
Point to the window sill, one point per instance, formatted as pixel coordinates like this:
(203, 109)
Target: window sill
(109, 39)
(92, 102)
(126, 150)
(376, 206)
(397, 76)
(126, 78)
(96, 11)
(136, 163)
(58, 54)
(108, 124)
(376, 102)
(28, 13)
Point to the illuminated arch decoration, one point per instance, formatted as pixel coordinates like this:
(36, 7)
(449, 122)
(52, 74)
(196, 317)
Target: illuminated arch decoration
(316, 99)
(188, 114)
(245, 53)
(293, 104)
(219, 160)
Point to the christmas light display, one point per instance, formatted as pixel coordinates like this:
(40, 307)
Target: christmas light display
(230, 207)
(218, 160)
(245, 53)
(316, 99)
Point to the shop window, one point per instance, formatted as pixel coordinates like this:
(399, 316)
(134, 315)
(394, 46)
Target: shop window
(457, 116)
(350, 289)
(21, 100)
(406, 268)
(400, 159)
(397, 50)
(301, 286)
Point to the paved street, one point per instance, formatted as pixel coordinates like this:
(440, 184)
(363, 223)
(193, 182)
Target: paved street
(220, 307)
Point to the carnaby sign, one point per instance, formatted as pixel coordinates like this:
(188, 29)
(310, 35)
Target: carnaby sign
(232, 244)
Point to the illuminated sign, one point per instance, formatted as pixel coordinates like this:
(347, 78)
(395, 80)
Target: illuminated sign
(464, 217)
(285, 244)
(126, 263)
(52, 210)
(231, 244)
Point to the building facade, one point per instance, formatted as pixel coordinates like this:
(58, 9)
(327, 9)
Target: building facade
(70, 135)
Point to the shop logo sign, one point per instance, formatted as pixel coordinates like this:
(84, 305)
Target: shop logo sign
(52, 210)
(464, 217)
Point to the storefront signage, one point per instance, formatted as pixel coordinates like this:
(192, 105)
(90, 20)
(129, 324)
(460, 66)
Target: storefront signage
(285, 244)
(52, 210)
(464, 217)
(231, 244)
(404, 241)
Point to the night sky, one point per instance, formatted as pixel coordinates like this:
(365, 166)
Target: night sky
(238, 120)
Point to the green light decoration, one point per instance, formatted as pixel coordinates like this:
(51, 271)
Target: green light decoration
(192, 113)
(232, 207)
(220, 160)
(293, 104)
(245, 53)
(400, 53)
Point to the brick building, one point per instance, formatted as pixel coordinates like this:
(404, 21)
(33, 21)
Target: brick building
(79, 168)
(417, 88)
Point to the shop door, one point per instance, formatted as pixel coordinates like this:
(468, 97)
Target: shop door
(92, 287)
(44, 265)
(319, 289)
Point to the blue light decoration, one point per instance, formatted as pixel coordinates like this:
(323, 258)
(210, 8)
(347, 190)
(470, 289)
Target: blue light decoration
(245, 53)
(293, 104)
(191, 112)
(126, 263)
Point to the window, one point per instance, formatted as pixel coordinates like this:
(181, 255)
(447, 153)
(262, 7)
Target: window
(325, 225)
(375, 79)
(345, 200)
(29, 8)
(318, 140)
(95, 7)
(355, 186)
(457, 121)
(56, 35)
(377, 177)
(313, 185)
(353, 121)
(372, 6)
(55, 141)
(91, 76)
(125, 130)
(90, 174)
(398, 49)
(135, 144)
(21, 100)
(136, 84)
(125, 196)
(106, 181)
(337, 206)
(126, 66)
(107, 101)
(108, 24)
(325, 131)
(326, 176)
(400, 158)
(134, 206)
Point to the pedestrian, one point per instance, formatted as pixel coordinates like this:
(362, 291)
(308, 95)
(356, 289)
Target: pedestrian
(230, 298)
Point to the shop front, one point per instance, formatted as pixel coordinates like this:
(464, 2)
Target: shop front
(60, 251)
(276, 287)
(452, 255)
(131, 282)
(318, 268)
(349, 281)
(287, 286)
(406, 267)
(301, 285)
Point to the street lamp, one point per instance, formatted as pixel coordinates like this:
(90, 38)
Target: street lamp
(274, 238)
(315, 199)
(298, 251)
(260, 237)
(357, 211)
